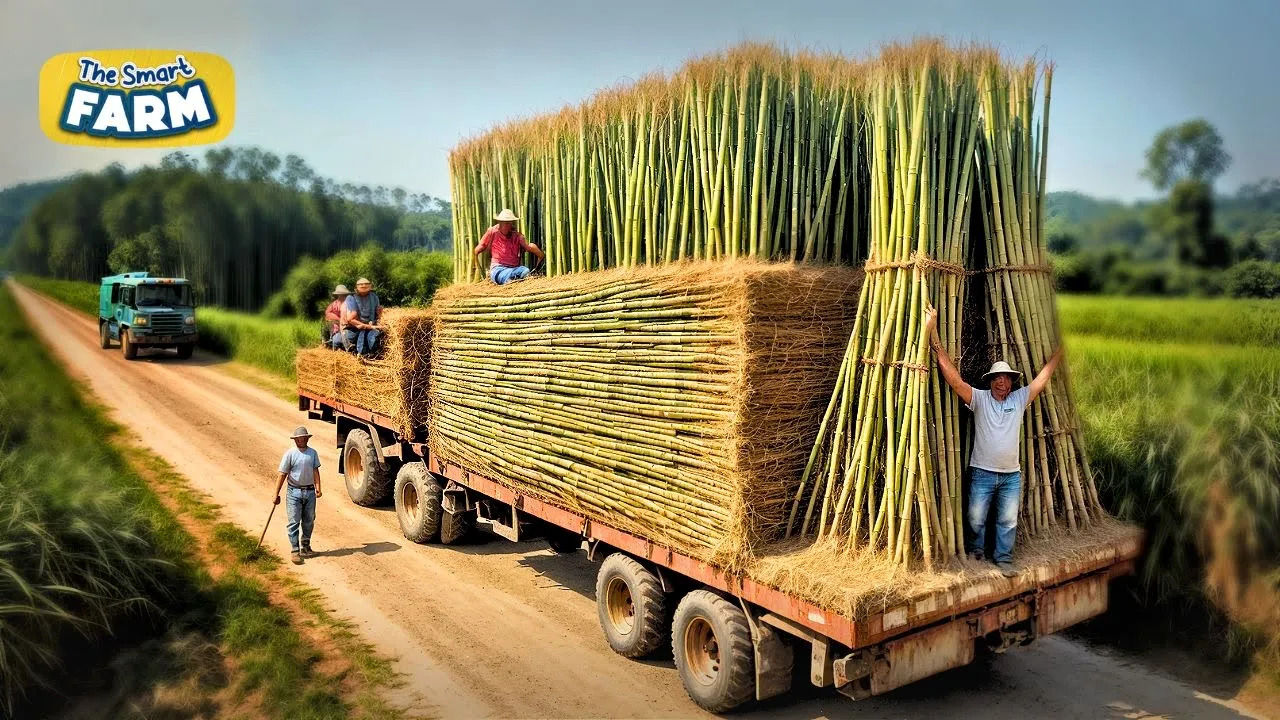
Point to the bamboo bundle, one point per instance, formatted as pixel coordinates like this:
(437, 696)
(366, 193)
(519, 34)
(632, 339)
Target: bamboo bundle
(679, 402)
(1021, 316)
(392, 383)
(753, 153)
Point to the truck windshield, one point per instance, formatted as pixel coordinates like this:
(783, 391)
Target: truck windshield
(152, 295)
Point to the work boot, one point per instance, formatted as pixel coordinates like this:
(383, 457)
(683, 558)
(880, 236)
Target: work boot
(307, 552)
(296, 557)
(1006, 569)
(976, 555)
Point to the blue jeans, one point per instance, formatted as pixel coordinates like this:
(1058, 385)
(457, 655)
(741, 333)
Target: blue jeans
(300, 503)
(362, 341)
(1006, 488)
(501, 274)
(338, 341)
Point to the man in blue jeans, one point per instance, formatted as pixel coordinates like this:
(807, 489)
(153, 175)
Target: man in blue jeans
(997, 425)
(300, 466)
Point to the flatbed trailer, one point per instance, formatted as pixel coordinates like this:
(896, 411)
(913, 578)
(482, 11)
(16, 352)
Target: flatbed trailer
(735, 639)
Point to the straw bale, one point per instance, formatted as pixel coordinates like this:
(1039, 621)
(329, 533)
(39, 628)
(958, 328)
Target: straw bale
(392, 383)
(856, 582)
(678, 402)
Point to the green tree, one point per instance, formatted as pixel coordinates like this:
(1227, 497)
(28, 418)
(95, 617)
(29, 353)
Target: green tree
(1190, 151)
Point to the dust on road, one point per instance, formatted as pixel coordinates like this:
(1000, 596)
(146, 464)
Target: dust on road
(498, 629)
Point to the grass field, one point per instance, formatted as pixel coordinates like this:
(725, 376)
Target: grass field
(99, 570)
(265, 343)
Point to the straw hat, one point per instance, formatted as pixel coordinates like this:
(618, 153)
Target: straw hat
(506, 216)
(301, 431)
(341, 290)
(363, 281)
(1001, 367)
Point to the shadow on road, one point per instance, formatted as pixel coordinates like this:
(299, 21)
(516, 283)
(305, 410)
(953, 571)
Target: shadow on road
(374, 548)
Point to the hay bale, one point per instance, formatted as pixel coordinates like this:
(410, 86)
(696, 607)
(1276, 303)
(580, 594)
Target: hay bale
(392, 383)
(679, 402)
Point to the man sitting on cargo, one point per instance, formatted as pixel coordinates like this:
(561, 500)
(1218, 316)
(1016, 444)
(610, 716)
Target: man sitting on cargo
(360, 317)
(994, 463)
(333, 316)
(505, 243)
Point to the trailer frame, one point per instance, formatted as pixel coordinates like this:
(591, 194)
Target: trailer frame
(859, 657)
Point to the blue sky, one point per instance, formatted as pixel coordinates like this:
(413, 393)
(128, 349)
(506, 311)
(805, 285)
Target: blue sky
(377, 92)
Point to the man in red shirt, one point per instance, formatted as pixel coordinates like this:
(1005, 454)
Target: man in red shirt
(333, 315)
(505, 244)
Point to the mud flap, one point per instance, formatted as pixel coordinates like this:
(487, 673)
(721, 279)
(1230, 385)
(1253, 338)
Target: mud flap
(774, 660)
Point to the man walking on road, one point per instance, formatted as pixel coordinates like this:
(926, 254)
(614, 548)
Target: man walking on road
(505, 243)
(360, 317)
(994, 463)
(300, 466)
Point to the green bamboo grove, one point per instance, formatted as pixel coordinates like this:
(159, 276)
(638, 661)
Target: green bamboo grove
(926, 162)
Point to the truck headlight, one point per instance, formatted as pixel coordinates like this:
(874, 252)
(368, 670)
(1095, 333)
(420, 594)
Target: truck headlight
(141, 320)
(190, 320)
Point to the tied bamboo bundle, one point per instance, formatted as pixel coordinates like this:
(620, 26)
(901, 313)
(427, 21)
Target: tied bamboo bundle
(677, 401)
(392, 383)
(1021, 315)
(885, 471)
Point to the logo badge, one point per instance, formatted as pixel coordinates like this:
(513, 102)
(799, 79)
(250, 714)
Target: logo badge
(137, 98)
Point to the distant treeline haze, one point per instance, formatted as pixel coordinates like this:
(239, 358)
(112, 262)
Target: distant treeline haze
(234, 224)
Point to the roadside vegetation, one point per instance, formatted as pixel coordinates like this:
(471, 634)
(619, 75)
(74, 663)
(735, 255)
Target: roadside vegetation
(123, 593)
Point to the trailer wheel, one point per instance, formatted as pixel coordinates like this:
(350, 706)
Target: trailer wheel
(185, 350)
(104, 336)
(127, 347)
(563, 541)
(456, 527)
(417, 496)
(632, 607)
(367, 481)
(711, 642)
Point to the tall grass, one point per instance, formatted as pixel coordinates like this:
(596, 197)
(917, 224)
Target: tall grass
(267, 343)
(1186, 439)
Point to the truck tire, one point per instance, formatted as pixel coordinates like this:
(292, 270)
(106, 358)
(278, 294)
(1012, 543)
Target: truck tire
(127, 347)
(711, 641)
(104, 336)
(367, 481)
(456, 527)
(417, 495)
(185, 350)
(563, 542)
(632, 607)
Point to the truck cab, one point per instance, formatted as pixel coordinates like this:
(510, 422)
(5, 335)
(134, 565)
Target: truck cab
(140, 311)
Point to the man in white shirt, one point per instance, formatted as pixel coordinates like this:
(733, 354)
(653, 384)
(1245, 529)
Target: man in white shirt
(994, 463)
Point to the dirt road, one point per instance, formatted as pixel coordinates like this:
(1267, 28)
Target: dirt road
(496, 629)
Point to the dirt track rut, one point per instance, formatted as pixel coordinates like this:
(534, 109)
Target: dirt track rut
(496, 629)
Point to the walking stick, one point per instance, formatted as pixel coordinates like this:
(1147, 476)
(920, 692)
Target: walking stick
(264, 527)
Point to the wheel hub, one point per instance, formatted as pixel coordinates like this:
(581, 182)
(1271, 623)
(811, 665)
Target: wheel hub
(354, 467)
(409, 501)
(621, 606)
(702, 651)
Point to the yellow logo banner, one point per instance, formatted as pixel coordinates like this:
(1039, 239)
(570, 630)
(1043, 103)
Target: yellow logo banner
(137, 98)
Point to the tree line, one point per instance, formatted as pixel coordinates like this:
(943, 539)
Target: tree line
(1191, 241)
(233, 224)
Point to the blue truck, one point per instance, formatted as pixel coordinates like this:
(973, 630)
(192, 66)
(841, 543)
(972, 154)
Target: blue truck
(140, 311)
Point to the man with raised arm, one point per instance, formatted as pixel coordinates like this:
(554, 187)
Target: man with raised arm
(994, 463)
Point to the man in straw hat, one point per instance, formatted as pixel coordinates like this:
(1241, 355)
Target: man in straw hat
(505, 243)
(300, 466)
(333, 316)
(360, 317)
(994, 463)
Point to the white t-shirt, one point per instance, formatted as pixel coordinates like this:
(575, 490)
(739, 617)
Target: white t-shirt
(997, 428)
